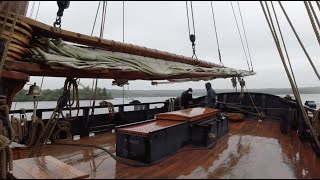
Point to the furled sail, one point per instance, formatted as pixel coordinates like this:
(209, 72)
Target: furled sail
(48, 51)
(56, 52)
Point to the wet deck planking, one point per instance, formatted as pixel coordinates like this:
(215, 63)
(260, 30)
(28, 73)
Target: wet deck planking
(250, 150)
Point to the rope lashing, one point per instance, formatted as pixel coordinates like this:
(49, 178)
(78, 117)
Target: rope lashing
(6, 157)
(3, 3)
(36, 128)
(316, 123)
(8, 42)
(171, 104)
(242, 84)
(5, 125)
(234, 82)
(62, 6)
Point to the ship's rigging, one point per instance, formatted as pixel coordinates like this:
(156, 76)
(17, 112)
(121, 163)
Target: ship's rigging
(133, 62)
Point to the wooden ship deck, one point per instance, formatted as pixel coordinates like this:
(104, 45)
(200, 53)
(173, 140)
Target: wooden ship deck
(251, 149)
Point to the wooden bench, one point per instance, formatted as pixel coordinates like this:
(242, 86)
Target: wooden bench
(45, 167)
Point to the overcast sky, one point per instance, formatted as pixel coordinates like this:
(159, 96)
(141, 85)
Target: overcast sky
(163, 26)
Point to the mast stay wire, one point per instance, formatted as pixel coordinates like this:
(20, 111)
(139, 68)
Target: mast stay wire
(104, 9)
(216, 33)
(285, 48)
(38, 10)
(300, 42)
(312, 15)
(121, 47)
(93, 27)
(245, 35)
(296, 94)
(32, 8)
(245, 53)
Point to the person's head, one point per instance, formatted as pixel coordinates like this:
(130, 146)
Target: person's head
(189, 91)
(208, 85)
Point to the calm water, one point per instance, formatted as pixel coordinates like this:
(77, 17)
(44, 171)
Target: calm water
(115, 101)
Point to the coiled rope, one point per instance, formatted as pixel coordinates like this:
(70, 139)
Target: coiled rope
(5, 157)
(36, 128)
(62, 126)
(316, 123)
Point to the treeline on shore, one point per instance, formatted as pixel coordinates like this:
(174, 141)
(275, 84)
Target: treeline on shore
(54, 94)
(103, 93)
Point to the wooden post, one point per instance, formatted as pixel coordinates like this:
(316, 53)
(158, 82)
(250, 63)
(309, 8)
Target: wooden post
(12, 82)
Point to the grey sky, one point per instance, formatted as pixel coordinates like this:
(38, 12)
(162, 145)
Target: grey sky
(163, 26)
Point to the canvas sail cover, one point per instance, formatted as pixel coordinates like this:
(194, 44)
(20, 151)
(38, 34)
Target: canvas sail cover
(56, 52)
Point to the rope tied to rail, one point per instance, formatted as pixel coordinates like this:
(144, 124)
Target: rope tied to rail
(36, 128)
(5, 125)
(6, 157)
(316, 123)
(242, 84)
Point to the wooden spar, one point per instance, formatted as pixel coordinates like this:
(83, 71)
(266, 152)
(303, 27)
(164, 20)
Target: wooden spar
(41, 29)
(36, 69)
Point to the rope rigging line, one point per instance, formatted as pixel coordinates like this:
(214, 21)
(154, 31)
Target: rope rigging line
(31, 12)
(299, 40)
(285, 48)
(121, 46)
(312, 15)
(297, 96)
(3, 3)
(95, 19)
(49, 128)
(216, 33)
(245, 53)
(245, 35)
(6, 157)
(7, 43)
(104, 9)
(93, 26)
(75, 98)
(94, 95)
(38, 10)
(318, 4)
(192, 36)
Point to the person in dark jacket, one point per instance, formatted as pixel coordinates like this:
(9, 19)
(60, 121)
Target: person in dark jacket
(186, 99)
(210, 100)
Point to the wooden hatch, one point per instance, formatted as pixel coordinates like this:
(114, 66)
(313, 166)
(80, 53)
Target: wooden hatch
(149, 127)
(191, 114)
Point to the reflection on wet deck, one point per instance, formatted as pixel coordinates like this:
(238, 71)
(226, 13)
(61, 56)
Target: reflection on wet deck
(250, 150)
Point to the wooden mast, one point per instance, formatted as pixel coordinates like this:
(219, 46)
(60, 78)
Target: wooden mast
(12, 82)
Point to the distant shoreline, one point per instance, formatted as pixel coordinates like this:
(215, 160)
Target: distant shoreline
(196, 92)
